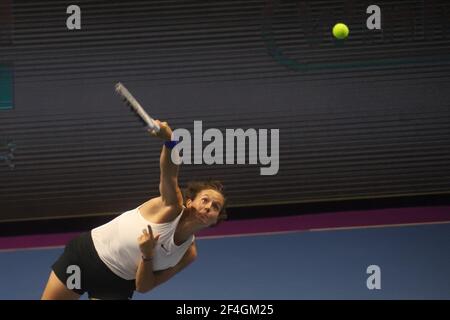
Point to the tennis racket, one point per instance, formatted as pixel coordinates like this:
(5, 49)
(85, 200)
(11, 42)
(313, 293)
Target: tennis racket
(136, 107)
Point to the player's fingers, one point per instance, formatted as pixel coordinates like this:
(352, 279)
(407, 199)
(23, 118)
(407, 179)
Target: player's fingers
(150, 231)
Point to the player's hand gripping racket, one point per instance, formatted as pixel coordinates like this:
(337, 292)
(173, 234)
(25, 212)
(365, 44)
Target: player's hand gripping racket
(136, 107)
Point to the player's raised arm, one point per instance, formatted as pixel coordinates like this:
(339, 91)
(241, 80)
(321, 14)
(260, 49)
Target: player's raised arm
(168, 186)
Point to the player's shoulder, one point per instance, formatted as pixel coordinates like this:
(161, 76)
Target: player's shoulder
(156, 211)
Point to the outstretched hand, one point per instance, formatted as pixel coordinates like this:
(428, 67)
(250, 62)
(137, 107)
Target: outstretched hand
(164, 133)
(147, 242)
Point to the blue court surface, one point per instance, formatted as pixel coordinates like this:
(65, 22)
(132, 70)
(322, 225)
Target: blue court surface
(414, 263)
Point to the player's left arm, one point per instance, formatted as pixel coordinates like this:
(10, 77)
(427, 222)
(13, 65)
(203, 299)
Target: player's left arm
(164, 275)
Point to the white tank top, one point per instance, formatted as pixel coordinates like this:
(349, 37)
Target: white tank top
(117, 245)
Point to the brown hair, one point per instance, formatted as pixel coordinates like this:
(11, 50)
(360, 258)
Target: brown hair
(194, 187)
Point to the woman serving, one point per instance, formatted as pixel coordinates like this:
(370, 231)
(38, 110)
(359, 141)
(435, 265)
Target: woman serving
(143, 247)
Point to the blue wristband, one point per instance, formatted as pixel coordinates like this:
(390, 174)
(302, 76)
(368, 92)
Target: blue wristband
(170, 144)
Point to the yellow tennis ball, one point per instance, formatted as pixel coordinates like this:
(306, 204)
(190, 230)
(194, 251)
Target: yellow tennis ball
(340, 31)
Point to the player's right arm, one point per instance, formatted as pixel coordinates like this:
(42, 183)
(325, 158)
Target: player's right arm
(168, 186)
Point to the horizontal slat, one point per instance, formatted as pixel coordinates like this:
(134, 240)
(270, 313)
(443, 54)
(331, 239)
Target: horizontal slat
(369, 118)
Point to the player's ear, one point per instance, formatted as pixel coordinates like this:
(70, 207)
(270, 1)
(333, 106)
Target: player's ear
(188, 203)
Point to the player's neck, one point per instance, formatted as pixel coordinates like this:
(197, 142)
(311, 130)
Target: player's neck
(187, 226)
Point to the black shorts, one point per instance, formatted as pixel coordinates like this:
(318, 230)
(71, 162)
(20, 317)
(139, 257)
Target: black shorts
(96, 278)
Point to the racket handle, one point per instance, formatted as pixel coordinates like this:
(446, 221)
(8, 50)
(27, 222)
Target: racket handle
(151, 124)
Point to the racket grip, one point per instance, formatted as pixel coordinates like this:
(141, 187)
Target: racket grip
(153, 126)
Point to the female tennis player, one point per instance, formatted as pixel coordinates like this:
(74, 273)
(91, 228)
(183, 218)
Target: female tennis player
(143, 247)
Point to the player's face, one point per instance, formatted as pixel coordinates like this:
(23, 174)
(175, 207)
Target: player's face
(207, 204)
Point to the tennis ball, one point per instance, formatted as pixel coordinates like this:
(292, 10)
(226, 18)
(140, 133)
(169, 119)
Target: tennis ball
(340, 31)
